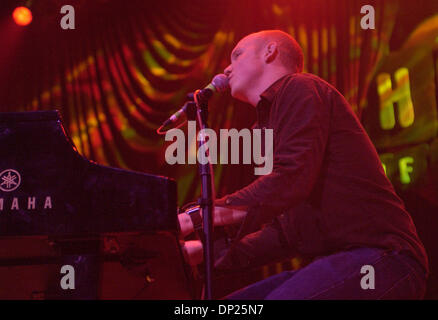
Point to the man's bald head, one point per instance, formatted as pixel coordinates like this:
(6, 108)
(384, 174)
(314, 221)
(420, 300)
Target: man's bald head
(258, 60)
(290, 52)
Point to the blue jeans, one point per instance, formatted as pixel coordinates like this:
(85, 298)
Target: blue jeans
(338, 276)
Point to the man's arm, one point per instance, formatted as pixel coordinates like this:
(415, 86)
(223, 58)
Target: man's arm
(222, 216)
(301, 127)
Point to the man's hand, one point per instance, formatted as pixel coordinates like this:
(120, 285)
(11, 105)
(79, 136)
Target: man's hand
(222, 216)
(193, 252)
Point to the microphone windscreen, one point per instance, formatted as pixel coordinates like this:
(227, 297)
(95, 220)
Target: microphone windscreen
(220, 82)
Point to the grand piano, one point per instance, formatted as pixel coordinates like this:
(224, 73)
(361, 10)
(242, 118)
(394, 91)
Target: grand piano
(64, 219)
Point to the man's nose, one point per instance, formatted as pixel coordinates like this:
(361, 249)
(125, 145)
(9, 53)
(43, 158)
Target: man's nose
(227, 70)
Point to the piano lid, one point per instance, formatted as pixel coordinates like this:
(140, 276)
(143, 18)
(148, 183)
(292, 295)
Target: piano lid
(48, 188)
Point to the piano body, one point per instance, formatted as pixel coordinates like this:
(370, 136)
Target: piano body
(68, 222)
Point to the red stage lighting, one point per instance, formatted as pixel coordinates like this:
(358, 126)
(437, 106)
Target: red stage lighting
(22, 16)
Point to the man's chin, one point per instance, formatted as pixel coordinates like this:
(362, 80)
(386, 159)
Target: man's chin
(237, 94)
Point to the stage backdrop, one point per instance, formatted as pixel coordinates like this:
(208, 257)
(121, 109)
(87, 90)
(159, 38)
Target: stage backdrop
(128, 65)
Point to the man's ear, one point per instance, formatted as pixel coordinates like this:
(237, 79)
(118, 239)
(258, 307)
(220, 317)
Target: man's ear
(271, 52)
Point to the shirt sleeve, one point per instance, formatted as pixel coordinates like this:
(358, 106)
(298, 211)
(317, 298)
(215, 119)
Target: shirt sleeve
(300, 119)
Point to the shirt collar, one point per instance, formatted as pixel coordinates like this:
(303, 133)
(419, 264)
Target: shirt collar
(270, 93)
(264, 105)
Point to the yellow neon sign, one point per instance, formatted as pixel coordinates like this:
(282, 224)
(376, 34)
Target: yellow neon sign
(400, 95)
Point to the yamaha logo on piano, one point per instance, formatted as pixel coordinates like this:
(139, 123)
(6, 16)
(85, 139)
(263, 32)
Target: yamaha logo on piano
(10, 181)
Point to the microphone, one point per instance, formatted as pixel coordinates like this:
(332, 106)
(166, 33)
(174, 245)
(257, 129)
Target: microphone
(218, 84)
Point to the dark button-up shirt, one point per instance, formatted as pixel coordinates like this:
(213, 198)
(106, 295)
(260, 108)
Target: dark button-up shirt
(327, 188)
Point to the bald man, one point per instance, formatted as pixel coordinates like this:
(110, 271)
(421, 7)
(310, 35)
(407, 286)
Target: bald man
(327, 197)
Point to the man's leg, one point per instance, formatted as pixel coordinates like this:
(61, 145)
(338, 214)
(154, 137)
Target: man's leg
(338, 276)
(261, 289)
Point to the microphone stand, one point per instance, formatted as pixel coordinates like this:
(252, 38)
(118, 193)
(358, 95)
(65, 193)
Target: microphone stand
(206, 201)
